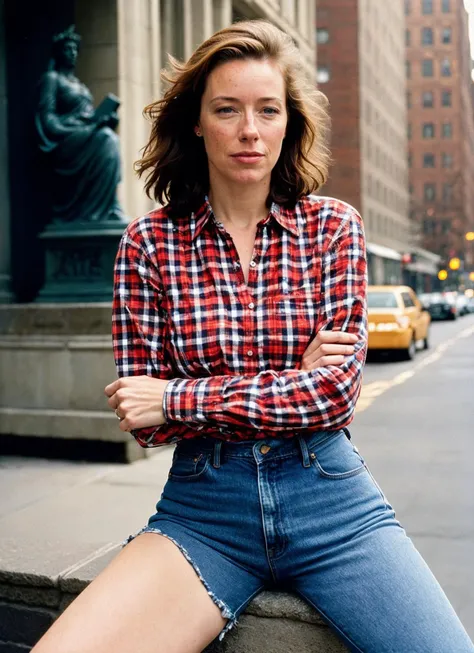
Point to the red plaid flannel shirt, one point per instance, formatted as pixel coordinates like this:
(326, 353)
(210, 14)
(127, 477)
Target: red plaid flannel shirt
(232, 351)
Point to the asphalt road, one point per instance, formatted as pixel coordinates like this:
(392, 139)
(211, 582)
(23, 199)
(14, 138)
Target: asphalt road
(415, 427)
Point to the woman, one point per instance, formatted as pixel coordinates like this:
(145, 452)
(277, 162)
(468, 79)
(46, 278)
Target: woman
(240, 332)
(82, 148)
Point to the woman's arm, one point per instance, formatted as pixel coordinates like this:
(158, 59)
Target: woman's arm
(139, 338)
(323, 398)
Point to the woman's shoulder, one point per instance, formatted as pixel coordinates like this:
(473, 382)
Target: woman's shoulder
(329, 218)
(331, 205)
(148, 228)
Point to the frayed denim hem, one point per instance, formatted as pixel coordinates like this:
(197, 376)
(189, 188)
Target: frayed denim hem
(225, 610)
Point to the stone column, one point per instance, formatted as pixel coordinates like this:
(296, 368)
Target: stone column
(5, 294)
(138, 66)
(222, 14)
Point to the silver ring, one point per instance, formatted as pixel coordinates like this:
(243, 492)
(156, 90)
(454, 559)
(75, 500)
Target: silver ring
(117, 415)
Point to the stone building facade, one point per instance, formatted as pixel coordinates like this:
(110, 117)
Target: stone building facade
(361, 68)
(124, 46)
(440, 125)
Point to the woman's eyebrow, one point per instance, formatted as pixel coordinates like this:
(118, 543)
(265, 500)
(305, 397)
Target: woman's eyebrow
(226, 98)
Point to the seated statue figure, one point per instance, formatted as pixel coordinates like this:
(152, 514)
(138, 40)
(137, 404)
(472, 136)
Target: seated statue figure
(80, 143)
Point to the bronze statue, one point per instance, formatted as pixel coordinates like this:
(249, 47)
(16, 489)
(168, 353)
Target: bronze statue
(79, 141)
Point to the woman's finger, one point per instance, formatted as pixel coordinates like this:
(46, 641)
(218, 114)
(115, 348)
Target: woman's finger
(329, 360)
(334, 337)
(327, 350)
(113, 401)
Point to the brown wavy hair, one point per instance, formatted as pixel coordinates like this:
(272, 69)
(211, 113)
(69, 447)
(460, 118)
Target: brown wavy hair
(174, 160)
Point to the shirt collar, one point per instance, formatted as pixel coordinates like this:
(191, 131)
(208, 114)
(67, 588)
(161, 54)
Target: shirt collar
(285, 218)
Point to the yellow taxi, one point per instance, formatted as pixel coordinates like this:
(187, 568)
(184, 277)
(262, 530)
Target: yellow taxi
(397, 320)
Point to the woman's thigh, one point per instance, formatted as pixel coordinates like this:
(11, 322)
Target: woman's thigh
(354, 562)
(148, 600)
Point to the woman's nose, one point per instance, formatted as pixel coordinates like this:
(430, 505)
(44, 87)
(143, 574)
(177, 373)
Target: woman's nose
(249, 129)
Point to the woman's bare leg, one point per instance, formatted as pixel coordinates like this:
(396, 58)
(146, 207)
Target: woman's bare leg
(148, 600)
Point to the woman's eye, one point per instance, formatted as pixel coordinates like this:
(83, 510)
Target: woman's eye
(270, 111)
(225, 110)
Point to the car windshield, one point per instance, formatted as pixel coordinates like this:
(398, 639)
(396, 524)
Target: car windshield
(377, 299)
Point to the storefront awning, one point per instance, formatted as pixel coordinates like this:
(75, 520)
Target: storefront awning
(383, 252)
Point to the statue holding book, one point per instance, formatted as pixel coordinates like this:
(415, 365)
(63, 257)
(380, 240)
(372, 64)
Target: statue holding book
(79, 141)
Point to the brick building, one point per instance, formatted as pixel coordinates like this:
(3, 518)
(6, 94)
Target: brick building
(440, 125)
(361, 68)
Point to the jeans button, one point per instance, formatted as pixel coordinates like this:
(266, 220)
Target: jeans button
(264, 449)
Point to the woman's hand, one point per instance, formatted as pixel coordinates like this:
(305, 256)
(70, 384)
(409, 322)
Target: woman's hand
(137, 401)
(328, 348)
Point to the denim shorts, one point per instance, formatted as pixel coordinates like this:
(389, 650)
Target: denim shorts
(304, 514)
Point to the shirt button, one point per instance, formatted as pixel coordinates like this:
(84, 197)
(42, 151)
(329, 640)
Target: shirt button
(252, 264)
(251, 305)
(250, 352)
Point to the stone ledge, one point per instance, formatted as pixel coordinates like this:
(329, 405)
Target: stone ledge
(35, 588)
(56, 319)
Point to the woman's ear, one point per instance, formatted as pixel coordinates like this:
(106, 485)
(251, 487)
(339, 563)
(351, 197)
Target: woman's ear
(197, 131)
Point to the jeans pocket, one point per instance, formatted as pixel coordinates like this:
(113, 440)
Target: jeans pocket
(338, 458)
(186, 467)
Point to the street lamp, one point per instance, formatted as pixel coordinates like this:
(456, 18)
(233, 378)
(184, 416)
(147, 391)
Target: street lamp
(470, 235)
(442, 275)
(454, 263)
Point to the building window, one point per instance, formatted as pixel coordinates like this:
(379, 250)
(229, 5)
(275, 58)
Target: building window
(446, 35)
(411, 189)
(428, 130)
(407, 37)
(445, 8)
(322, 35)
(446, 98)
(447, 160)
(408, 69)
(445, 68)
(428, 160)
(323, 75)
(409, 130)
(427, 99)
(447, 130)
(427, 7)
(407, 7)
(409, 105)
(429, 192)
(427, 68)
(426, 36)
(410, 159)
(447, 193)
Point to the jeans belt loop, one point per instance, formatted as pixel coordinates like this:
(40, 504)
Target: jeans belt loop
(304, 451)
(347, 432)
(217, 454)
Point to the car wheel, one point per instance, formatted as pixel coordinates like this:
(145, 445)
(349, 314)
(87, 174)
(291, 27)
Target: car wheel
(426, 341)
(410, 352)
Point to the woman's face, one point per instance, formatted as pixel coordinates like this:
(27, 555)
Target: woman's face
(69, 53)
(243, 120)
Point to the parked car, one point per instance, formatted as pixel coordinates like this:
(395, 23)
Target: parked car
(443, 306)
(397, 320)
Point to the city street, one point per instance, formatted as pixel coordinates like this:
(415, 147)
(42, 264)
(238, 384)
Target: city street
(415, 427)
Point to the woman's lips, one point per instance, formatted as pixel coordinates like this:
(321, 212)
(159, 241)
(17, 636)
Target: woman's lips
(248, 157)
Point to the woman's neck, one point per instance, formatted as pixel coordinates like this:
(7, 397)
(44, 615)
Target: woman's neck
(240, 208)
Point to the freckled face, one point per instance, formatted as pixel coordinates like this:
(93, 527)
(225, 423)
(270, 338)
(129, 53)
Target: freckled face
(243, 121)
